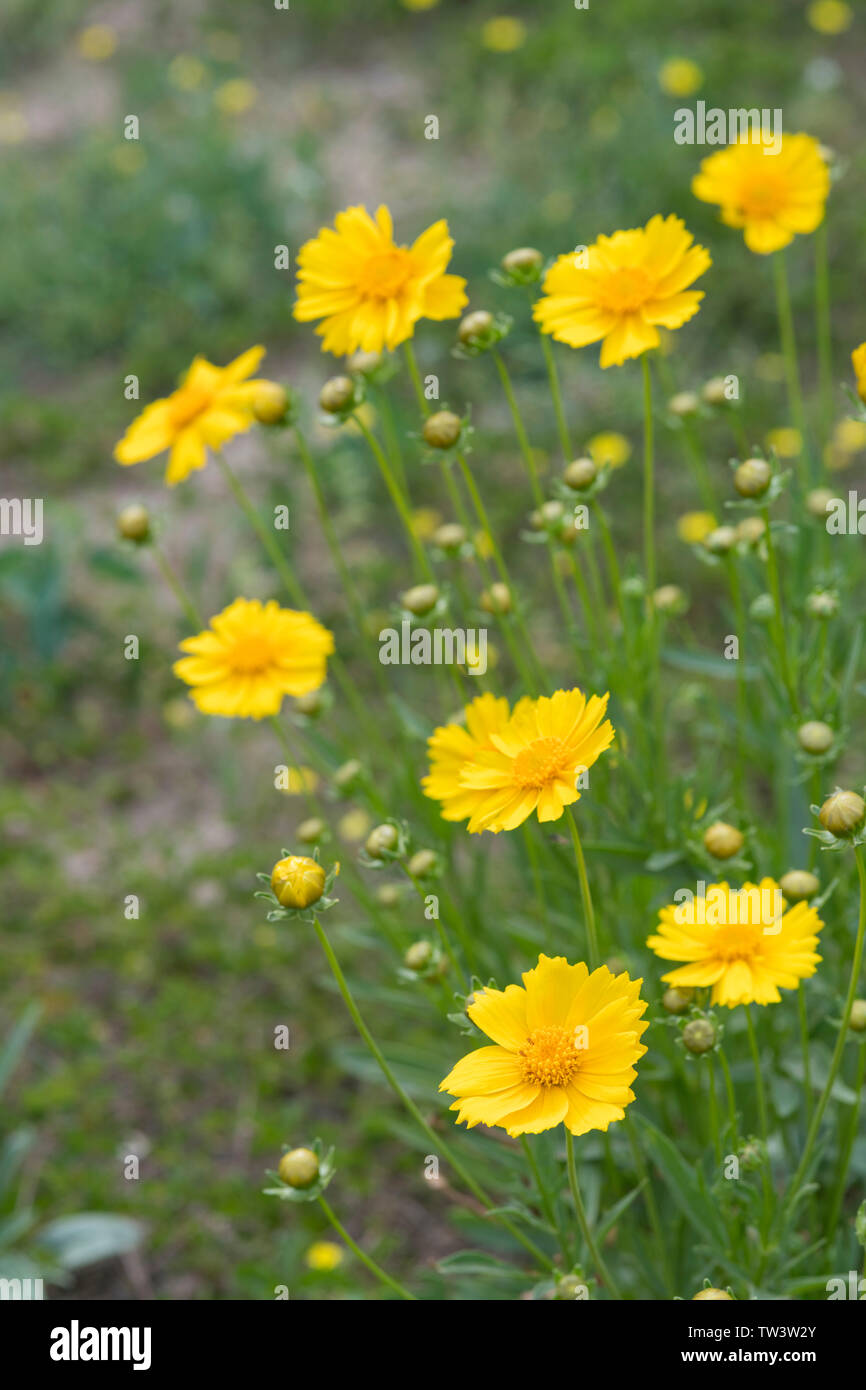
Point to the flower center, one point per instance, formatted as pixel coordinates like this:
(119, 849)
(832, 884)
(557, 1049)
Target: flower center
(761, 194)
(550, 1056)
(385, 274)
(187, 404)
(250, 654)
(625, 290)
(540, 764)
(737, 942)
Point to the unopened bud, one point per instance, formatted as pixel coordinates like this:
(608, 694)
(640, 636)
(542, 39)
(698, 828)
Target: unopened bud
(721, 540)
(297, 882)
(388, 895)
(449, 537)
(842, 813)
(818, 501)
(723, 841)
(857, 1017)
(822, 604)
(474, 326)
(699, 1036)
(752, 478)
(270, 403)
(420, 599)
(496, 599)
(299, 1168)
(337, 395)
(418, 956)
(712, 1294)
(523, 260)
(347, 773)
(381, 839)
(677, 1001)
(815, 736)
(751, 529)
(364, 362)
(442, 430)
(309, 704)
(310, 831)
(713, 391)
(423, 862)
(133, 523)
(798, 884)
(683, 403)
(580, 473)
(669, 598)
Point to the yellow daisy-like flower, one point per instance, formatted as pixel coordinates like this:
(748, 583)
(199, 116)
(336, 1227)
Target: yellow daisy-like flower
(771, 196)
(785, 441)
(740, 942)
(830, 16)
(693, 527)
(323, 1256)
(502, 34)
(680, 77)
(252, 655)
(858, 362)
(566, 1044)
(501, 769)
(368, 291)
(609, 447)
(211, 405)
(623, 288)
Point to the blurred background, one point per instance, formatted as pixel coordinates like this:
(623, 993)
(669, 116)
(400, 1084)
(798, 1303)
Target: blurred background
(154, 1035)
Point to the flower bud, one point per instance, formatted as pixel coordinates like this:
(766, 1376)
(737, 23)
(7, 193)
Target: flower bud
(380, 840)
(711, 1294)
(551, 512)
(347, 773)
(857, 1019)
(762, 608)
(798, 884)
(669, 598)
(751, 529)
(842, 813)
(699, 1036)
(474, 326)
(580, 473)
(420, 599)
(422, 862)
(133, 523)
(683, 403)
(297, 881)
(721, 540)
(337, 395)
(523, 260)
(309, 704)
(815, 736)
(818, 501)
(713, 391)
(752, 478)
(821, 603)
(723, 841)
(496, 599)
(310, 831)
(442, 429)
(418, 956)
(364, 362)
(388, 895)
(569, 1287)
(270, 403)
(677, 1001)
(449, 537)
(299, 1168)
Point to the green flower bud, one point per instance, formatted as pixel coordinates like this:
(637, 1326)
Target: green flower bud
(337, 395)
(818, 501)
(380, 840)
(133, 524)
(580, 473)
(669, 598)
(523, 261)
(388, 895)
(752, 478)
(751, 529)
(347, 773)
(723, 841)
(699, 1036)
(821, 603)
(311, 831)
(496, 599)
(842, 813)
(857, 1019)
(270, 403)
(364, 362)
(309, 704)
(713, 391)
(423, 861)
(450, 536)
(815, 736)
(442, 429)
(721, 540)
(798, 884)
(420, 599)
(474, 326)
(683, 403)
(418, 956)
(713, 1295)
(299, 1168)
(677, 1001)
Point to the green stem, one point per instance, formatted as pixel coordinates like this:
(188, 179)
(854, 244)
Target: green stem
(412, 364)
(544, 1195)
(823, 331)
(789, 353)
(847, 1146)
(778, 618)
(595, 1253)
(365, 1259)
(556, 394)
(265, 533)
(804, 1043)
(171, 579)
(398, 499)
(586, 896)
(648, 481)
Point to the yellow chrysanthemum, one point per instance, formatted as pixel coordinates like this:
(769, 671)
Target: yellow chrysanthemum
(693, 527)
(502, 769)
(369, 291)
(252, 655)
(771, 196)
(211, 405)
(849, 436)
(680, 77)
(609, 448)
(830, 16)
(566, 1044)
(623, 288)
(785, 441)
(741, 942)
(858, 361)
(323, 1256)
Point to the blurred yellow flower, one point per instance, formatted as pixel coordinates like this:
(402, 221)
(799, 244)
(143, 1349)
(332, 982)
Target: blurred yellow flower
(483, 547)
(850, 436)
(324, 1255)
(830, 16)
(623, 288)
(609, 448)
(211, 405)
(235, 96)
(565, 1047)
(355, 825)
(680, 77)
(425, 520)
(368, 291)
(299, 780)
(96, 43)
(858, 361)
(186, 72)
(693, 527)
(502, 34)
(251, 656)
(785, 441)
(772, 196)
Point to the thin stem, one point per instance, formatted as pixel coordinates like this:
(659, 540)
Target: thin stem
(556, 394)
(804, 1042)
(778, 619)
(544, 1195)
(265, 533)
(169, 575)
(365, 1259)
(595, 1253)
(398, 499)
(648, 480)
(586, 896)
(823, 331)
(759, 1080)
(789, 352)
(847, 1146)
(412, 364)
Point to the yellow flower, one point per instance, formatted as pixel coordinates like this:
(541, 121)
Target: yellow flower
(850, 435)
(771, 196)
(680, 77)
(369, 291)
(186, 72)
(96, 43)
(502, 769)
(742, 943)
(425, 520)
(623, 288)
(298, 881)
(566, 1044)
(693, 527)
(235, 96)
(858, 361)
(354, 825)
(610, 448)
(786, 441)
(211, 405)
(324, 1255)
(300, 780)
(252, 655)
(419, 4)
(502, 34)
(830, 16)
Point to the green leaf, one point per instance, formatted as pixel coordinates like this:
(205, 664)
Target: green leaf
(686, 1185)
(479, 1262)
(16, 1042)
(80, 1240)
